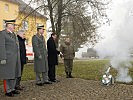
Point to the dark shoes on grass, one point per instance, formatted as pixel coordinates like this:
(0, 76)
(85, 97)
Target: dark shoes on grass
(69, 75)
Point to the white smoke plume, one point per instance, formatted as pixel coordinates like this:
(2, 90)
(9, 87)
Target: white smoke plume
(119, 39)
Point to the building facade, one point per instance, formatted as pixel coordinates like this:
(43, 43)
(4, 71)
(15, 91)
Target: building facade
(17, 9)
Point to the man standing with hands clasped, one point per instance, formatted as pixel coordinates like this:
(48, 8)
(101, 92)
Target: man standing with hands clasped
(10, 67)
(40, 57)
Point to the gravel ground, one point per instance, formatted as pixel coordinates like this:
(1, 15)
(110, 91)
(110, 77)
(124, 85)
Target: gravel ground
(72, 89)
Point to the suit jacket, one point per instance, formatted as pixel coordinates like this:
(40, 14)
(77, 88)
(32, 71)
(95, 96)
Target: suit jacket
(52, 52)
(39, 49)
(9, 51)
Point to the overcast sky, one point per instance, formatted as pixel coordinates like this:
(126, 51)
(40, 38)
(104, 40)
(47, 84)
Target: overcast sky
(103, 29)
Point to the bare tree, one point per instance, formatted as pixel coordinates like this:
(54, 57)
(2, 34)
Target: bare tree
(77, 18)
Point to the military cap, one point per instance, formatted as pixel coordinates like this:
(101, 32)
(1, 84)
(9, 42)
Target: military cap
(10, 21)
(40, 27)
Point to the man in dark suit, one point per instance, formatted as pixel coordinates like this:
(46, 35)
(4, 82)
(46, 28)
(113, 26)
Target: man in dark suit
(52, 57)
(22, 48)
(10, 67)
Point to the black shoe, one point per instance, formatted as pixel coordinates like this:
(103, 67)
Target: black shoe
(15, 92)
(39, 84)
(57, 80)
(54, 80)
(10, 94)
(19, 88)
(71, 76)
(47, 82)
(67, 76)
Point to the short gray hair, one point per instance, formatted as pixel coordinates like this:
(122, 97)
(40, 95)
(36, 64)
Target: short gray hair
(21, 32)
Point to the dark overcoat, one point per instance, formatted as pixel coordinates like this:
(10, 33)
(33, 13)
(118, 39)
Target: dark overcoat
(52, 52)
(22, 50)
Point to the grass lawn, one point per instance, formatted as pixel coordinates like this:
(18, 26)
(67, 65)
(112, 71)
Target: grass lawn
(91, 69)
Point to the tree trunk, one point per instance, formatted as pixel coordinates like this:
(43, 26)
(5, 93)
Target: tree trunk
(51, 16)
(58, 27)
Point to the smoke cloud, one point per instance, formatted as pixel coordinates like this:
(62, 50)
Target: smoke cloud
(119, 39)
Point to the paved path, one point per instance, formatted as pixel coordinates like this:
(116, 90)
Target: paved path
(73, 89)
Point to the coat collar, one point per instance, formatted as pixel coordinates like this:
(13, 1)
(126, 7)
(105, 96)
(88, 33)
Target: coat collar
(20, 38)
(40, 37)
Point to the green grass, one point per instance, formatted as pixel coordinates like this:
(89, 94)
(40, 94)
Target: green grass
(28, 73)
(91, 70)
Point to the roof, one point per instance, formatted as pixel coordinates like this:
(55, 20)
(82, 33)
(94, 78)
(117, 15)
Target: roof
(28, 9)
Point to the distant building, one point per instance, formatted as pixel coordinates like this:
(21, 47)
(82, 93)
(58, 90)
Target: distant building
(15, 9)
(91, 53)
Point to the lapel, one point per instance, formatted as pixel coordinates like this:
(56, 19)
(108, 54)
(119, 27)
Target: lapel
(12, 36)
(39, 38)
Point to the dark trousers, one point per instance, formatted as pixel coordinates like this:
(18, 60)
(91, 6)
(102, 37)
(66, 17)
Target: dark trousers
(51, 73)
(68, 63)
(9, 85)
(19, 78)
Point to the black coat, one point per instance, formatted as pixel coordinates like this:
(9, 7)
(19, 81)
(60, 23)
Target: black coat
(52, 52)
(22, 49)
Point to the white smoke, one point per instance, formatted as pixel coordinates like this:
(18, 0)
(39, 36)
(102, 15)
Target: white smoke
(119, 39)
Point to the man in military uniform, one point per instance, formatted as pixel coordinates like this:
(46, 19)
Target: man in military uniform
(40, 57)
(68, 52)
(10, 67)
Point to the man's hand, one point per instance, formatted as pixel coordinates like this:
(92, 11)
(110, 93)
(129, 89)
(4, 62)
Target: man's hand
(40, 57)
(3, 62)
(61, 55)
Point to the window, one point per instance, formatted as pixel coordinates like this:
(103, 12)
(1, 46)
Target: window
(4, 24)
(25, 25)
(6, 7)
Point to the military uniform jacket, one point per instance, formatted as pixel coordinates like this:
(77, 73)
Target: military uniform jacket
(9, 51)
(67, 51)
(39, 49)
